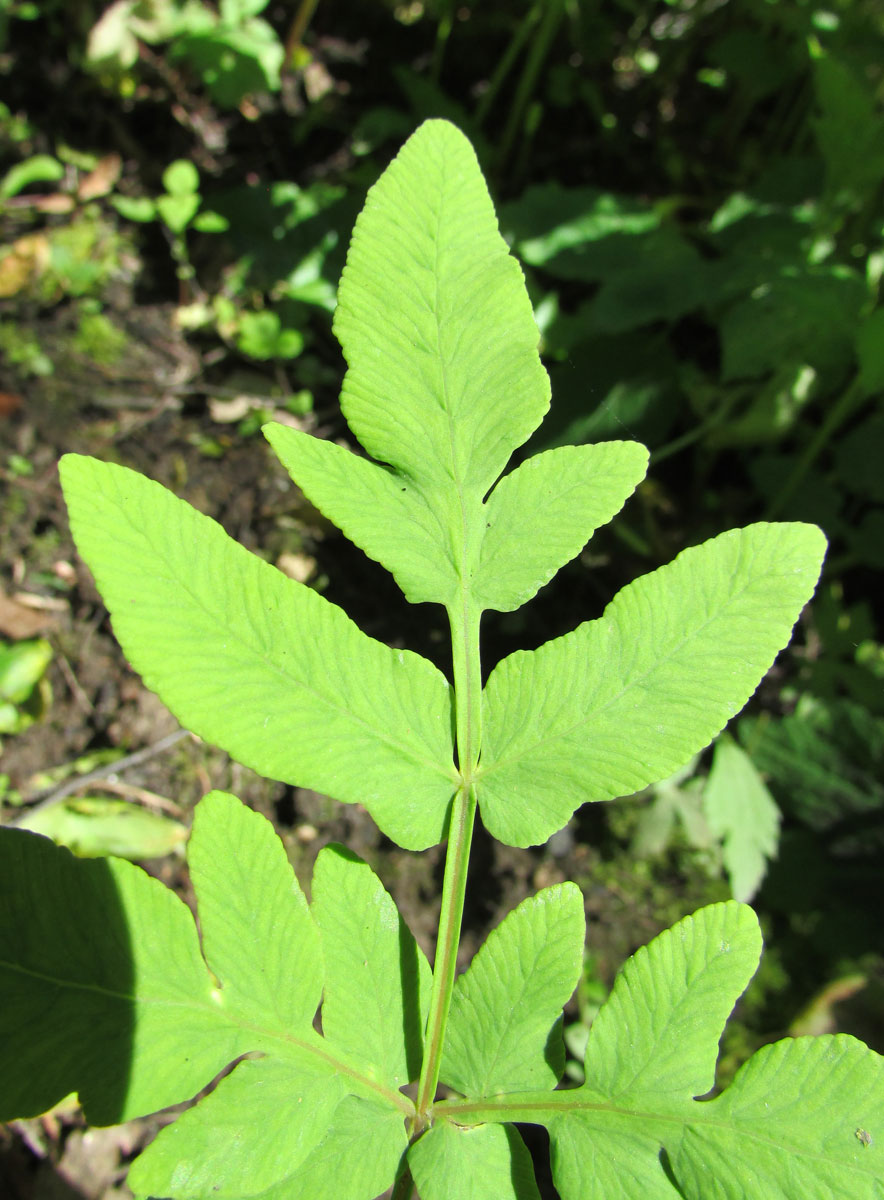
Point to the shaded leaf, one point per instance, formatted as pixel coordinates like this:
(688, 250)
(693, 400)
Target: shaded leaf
(806, 316)
(90, 1013)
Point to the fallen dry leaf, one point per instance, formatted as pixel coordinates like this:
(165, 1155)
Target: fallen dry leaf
(100, 181)
(19, 621)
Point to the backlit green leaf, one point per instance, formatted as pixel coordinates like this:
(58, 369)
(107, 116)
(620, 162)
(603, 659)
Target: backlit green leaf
(503, 1028)
(378, 509)
(624, 701)
(364, 1145)
(541, 515)
(459, 384)
(259, 664)
(802, 1119)
(377, 990)
(250, 1134)
(799, 1122)
(456, 387)
(658, 1031)
(258, 936)
(472, 1164)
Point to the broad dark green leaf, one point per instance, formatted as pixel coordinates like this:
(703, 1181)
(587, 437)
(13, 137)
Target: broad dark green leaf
(804, 317)
(94, 957)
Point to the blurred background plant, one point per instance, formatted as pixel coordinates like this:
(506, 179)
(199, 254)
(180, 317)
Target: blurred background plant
(696, 190)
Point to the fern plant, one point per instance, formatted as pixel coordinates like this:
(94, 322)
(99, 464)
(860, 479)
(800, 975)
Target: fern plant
(414, 1080)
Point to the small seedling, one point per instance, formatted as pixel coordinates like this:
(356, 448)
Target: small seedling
(417, 1080)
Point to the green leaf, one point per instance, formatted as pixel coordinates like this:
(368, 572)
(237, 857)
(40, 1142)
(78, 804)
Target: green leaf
(799, 1120)
(664, 277)
(22, 665)
(825, 760)
(181, 178)
(378, 509)
(658, 1031)
(211, 222)
(39, 168)
(94, 957)
(808, 316)
(543, 513)
(458, 386)
(578, 233)
(97, 825)
(364, 1146)
(261, 336)
(472, 1164)
(258, 936)
(259, 664)
(870, 352)
(250, 1134)
(624, 701)
(609, 1158)
(536, 519)
(134, 208)
(504, 1031)
(177, 211)
(849, 130)
(743, 814)
(378, 980)
(652, 1045)
(233, 12)
(133, 1020)
(793, 1124)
